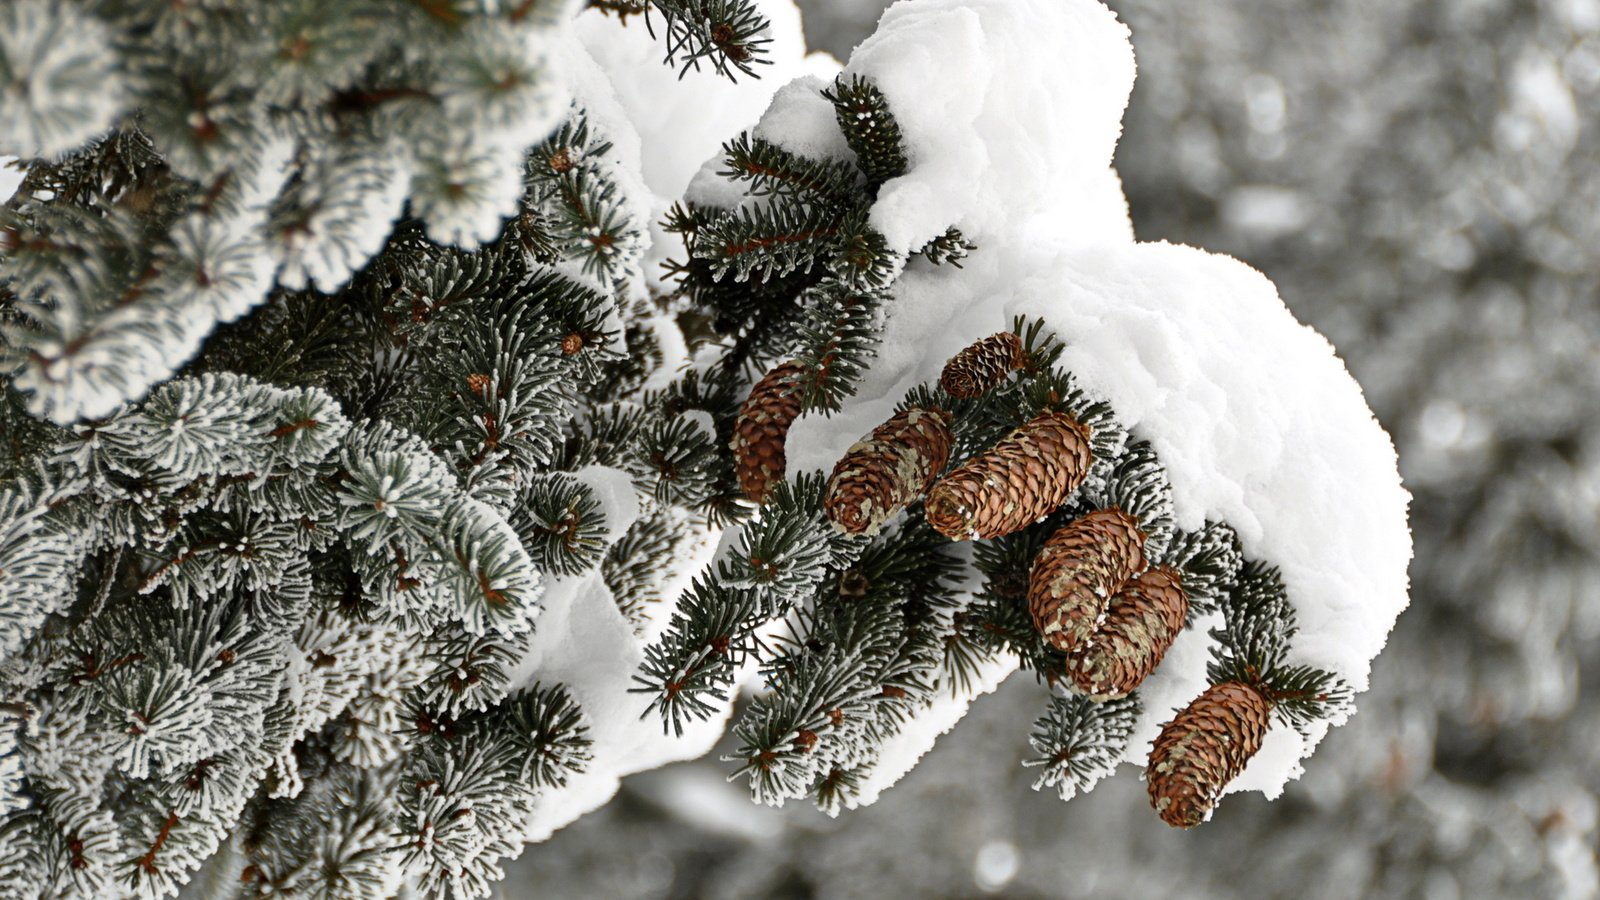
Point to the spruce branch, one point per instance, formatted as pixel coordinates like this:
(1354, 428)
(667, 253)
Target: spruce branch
(1080, 741)
(693, 664)
(1253, 645)
(784, 176)
(1139, 486)
(837, 339)
(869, 128)
(951, 247)
(726, 33)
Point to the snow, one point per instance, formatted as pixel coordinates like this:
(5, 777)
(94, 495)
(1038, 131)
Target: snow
(1011, 112)
(62, 84)
(583, 641)
(660, 105)
(9, 178)
(1011, 109)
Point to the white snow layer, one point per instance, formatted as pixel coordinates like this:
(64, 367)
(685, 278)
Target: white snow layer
(582, 639)
(1011, 110)
(10, 177)
(684, 121)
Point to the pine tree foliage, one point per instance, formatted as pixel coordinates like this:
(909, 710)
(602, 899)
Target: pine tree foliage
(727, 34)
(285, 588)
(1254, 646)
(338, 317)
(1080, 741)
(792, 275)
(248, 143)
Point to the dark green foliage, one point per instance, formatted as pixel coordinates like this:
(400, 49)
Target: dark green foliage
(762, 269)
(560, 523)
(576, 204)
(858, 662)
(726, 33)
(632, 564)
(1254, 644)
(692, 666)
(787, 548)
(869, 128)
(787, 177)
(998, 619)
(837, 338)
(468, 789)
(1139, 487)
(951, 247)
(1209, 560)
(268, 589)
(1080, 741)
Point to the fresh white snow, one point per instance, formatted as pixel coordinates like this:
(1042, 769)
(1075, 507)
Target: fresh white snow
(1011, 110)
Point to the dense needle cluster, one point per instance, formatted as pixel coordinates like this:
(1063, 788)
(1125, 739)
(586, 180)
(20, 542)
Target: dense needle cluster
(332, 374)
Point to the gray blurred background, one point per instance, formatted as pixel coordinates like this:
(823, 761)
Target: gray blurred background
(1422, 180)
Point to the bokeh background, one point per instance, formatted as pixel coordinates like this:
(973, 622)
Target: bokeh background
(1422, 180)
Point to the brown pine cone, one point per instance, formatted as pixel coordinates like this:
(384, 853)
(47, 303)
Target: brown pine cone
(888, 469)
(1203, 748)
(981, 367)
(1078, 570)
(1141, 622)
(761, 429)
(1020, 481)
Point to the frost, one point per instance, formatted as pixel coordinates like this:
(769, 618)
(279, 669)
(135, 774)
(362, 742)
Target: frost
(1011, 110)
(657, 107)
(59, 84)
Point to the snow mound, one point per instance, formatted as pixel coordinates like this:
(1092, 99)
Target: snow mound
(583, 641)
(1011, 111)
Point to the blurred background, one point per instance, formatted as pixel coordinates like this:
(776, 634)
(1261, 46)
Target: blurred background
(1422, 180)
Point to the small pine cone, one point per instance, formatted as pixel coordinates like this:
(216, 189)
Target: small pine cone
(1022, 480)
(1203, 748)
(1077, 572)
(981, 367)
(1141, 622)
(888, 469)
(762, 427)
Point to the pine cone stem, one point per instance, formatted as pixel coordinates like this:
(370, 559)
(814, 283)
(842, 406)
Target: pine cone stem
(1140, 624)
(1020, 481)
(888, 469)
(1078, 570)
(1203, 748)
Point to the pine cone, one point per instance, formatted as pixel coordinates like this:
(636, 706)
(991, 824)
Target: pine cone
(761, 429)
(1077, 572)
(1010, 487)
(1203, 748)
(888, 469)
(981, 367)
(1141, 622)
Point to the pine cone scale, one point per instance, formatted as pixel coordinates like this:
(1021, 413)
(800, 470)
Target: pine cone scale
(1021, 480)
(888, 469)
(762, 428)
(981, 367)
(1077, 572)
(1141, 623)
(1203, 748)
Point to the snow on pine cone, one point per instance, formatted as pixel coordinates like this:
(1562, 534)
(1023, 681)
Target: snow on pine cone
(1077, 572)
(1204, 747)
(1140, 624)
(981, 367)
(888, 469)
(1021, 480)
(761, 429)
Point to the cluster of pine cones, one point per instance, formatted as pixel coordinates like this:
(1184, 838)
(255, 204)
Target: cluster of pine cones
(1091, 593)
